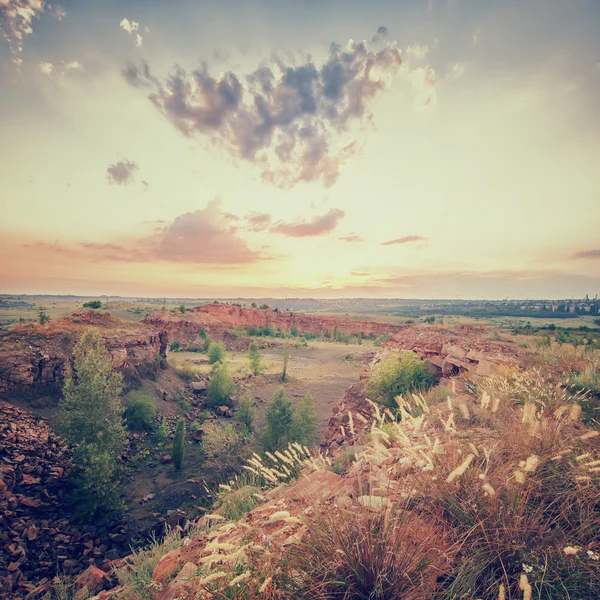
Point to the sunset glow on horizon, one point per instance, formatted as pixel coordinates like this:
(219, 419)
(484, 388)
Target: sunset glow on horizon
(430, 148)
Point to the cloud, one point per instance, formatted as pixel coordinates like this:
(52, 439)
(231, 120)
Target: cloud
(132, 28)
(258, 221)
(129, 26)
(403, 240)
(351, 238)
(423, 82)
(417, 51)
(475, 38)
(359, 274)
(204, 236)
(318, 226)
(17, 18)
(588, 254)
(122, 172)
(283, 117)
(209, 236)
(46, 68)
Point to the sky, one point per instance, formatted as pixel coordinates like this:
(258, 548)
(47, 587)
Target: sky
(301, 148)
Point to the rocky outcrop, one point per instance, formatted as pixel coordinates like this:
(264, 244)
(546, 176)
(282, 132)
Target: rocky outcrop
(217, 320)
(37, 540)
(451, 352)
(33, 357)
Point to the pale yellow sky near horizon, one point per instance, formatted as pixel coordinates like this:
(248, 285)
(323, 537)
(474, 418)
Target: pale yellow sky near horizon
(489, 179)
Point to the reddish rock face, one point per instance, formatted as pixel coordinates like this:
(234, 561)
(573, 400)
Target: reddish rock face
(33, 357)
(217, 319)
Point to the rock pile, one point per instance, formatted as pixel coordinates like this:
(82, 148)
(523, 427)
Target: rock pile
(37, 539)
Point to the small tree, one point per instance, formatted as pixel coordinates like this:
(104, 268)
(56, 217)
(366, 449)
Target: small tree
(177, 452)
(216, 353)
(304, 425)
(286, 358)
(181, 308)
(90, 420)
(278, 422)
(255, 358)
(246, 413)
(220, 387)
(43, 318)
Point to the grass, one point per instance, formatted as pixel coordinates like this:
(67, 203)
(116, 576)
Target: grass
(136, 576)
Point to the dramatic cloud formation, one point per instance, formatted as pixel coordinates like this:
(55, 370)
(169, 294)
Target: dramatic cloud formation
(16, 20)
(403, 240)
(122, 172)
(282, 117)
(588, 254)
(318, 226)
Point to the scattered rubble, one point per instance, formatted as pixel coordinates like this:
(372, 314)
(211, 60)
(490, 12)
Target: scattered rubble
(37, 540)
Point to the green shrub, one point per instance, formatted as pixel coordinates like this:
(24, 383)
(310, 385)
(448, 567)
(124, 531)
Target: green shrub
(178, 446)
(220, 387)
(246, 413)
(286, 358)
(399, 374)
(278, 422)
(304, 422)
(224, 448)
(195, 426)
(216, 353)
(174, 347)
(92, 304)
(255, 358)
(186, 372)
(140, 411)
(91, 421)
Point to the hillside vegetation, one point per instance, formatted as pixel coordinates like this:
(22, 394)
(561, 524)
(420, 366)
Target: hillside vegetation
(487, 487)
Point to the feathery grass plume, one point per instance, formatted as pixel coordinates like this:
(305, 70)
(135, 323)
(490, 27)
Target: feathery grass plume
(351, 423)
(213, 517)
(531, 464)
(488, 489)
(594, 463)
(278, 516)
(495, 404)
(529, 412)
(460, 469)
(582, 456)
(589, 435)
(265, 585)
(485, 400)
(501, 592)
(213, 577)
(525, 587)
(242, 577)
(519, 476)
(575, 412)
(464, 410)
(271, 456)
(571, 550)
(342, 431)
(474, 449)
(362, 418)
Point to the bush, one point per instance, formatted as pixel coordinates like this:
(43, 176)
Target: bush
(216, 353)
(255, 358)
(140, 411)
(236, 504)
(92, 304)
(361, 554)
(224, 448)
(246, 413)
(304, 423)
(399, 374)
(178, 447)
(278, 422)
(220, 387)
(186, 372)
(91, 421)
(174, 347)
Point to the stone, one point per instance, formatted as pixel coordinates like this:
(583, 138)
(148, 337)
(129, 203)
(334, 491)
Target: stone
(93, 579)
(167, 566)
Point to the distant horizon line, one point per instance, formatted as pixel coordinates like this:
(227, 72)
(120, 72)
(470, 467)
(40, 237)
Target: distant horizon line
(228, 298)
